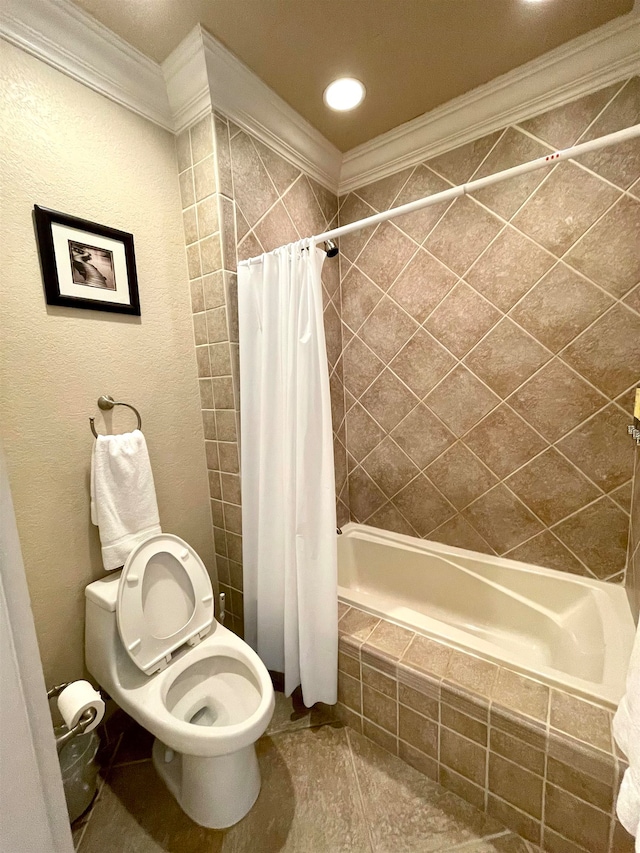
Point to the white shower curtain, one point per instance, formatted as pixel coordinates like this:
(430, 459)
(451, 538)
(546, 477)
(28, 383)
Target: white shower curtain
(288, 481)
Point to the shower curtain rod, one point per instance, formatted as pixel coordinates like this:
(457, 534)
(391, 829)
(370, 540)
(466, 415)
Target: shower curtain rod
(540, 163)
(447, 195)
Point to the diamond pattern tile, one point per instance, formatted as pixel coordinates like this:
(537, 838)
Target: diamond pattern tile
(460, 475)
(461, 319)
(388, 518)
(562, 126)
(508, 268)
(281, 172)
(501, 519)
(620, 163)
(563, 207)
(513, 148)
(422, 284)
(547, 551)
(387, 328)
(254, 190)
(506, 357)
(459, 164)
(601, 448)
(517, 435)
(352, 209)
(423, 182)
(609, 253)
(552, 487)
(303, 208)
(537, 400)
(423, 506)
(365, 497)
(381, 194)
(461, 400)
(388, 400)
(459, 533)
(504, 441)
(422, 363)
(467, 218)
(598, 535)
(559, 307)
(359, 297)
(385, 254)
(389, 467)
(632, 300)
(623, 495)
(361, 367)
(363, 433)
(422, 435)
(608, 352)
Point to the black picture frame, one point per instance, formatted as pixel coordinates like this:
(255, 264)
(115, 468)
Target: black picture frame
(86, 265)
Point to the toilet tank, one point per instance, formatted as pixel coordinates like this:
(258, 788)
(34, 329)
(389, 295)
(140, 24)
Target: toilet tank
(102, 645)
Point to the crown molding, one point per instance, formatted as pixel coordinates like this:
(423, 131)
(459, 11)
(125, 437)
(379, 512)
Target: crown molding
(579, 67)
(243, 97)
(185, 75)
(70, 40)
(201, 75)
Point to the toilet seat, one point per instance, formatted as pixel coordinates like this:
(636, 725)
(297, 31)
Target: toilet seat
(165, 600)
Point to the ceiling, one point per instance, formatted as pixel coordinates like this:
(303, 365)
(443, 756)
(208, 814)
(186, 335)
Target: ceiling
(412, 55)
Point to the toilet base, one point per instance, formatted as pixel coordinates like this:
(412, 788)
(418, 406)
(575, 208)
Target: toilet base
(215, 792)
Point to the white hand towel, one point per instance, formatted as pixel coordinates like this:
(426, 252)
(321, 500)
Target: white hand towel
(626, 730)
(123, 497)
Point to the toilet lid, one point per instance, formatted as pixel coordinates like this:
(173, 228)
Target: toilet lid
(165, 599)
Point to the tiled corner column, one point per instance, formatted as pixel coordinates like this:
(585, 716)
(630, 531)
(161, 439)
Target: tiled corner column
(539, 760)
(206, 192)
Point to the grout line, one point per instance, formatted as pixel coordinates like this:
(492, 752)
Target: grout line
(98, 795)
(622, 85)
(458, 279)
(471, 845)
(359, 789)
(548, 443)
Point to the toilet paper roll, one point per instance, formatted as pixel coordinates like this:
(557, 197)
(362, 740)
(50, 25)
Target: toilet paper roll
(77, 698)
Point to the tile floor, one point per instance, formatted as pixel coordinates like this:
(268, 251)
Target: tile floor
(325, 789)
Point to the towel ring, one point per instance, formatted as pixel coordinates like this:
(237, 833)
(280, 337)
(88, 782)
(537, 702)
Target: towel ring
(106, 403)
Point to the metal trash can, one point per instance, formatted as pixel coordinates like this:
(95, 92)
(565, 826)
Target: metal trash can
(79, 770)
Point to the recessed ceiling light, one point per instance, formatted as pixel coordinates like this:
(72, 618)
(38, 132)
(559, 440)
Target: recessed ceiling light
(344, 94)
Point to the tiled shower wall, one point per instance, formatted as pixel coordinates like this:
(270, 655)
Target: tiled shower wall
(491, 346)
(276, 204)
(240, 199)
(481, 354)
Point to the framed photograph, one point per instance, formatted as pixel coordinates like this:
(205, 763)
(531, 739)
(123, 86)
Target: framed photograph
(86, 265)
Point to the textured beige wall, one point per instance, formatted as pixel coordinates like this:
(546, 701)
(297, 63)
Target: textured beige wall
(68, 148)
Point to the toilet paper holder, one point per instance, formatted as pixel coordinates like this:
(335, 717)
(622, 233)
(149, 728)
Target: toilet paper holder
(83, 723)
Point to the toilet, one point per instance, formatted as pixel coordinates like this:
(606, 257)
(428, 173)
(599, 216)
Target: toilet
(153, 644)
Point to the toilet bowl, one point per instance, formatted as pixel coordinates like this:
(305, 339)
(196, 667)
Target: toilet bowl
(153, 644)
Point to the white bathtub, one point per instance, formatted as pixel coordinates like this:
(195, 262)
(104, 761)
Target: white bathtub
(568, 631)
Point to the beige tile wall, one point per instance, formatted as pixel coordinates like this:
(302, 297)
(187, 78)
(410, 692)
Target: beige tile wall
(451, 335)
(275, 204)
(538, 759)
(239, 199)
(205, 187)
(491, 345)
